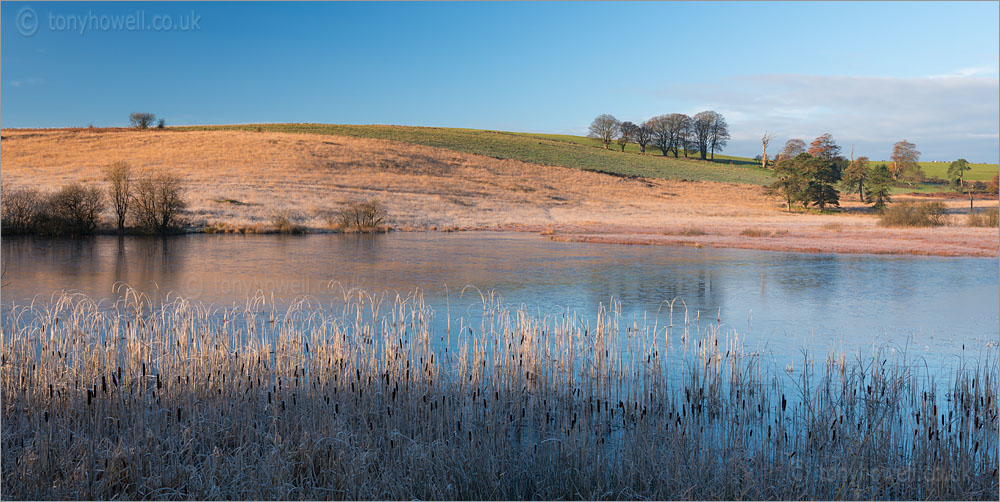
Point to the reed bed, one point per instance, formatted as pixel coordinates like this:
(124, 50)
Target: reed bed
(181, 400)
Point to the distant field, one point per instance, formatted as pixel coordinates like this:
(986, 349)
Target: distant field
(979, 172)
(546, 149)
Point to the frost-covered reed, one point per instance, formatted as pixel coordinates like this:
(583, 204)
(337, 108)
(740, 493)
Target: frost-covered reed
(182, 400)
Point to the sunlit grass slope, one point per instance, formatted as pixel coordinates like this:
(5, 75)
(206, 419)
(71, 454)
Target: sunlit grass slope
(546, 149)
(979, 172)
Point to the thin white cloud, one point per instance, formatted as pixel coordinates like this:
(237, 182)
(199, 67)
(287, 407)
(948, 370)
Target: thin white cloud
(973, 71)
(946, 116)
(26, 81)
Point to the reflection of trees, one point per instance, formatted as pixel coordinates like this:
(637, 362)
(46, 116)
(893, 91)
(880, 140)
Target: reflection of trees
(158, 262)
(642, 287)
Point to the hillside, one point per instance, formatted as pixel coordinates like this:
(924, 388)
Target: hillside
(544, 149)
(578, 151)
(241, 180)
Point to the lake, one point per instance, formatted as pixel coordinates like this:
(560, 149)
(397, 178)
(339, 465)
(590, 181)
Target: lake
(779, 302)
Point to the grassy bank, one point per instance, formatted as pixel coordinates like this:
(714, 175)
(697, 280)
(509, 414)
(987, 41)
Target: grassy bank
(545, 149)
(188, 401)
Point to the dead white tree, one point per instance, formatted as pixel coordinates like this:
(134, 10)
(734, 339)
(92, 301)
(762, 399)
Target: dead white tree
(766, 140)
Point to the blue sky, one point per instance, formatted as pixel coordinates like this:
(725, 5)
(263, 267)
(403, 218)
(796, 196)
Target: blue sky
(870, 74)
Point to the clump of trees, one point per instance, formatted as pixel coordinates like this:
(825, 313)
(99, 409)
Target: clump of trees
(73, 210)
(809, 178)
(151, 201)
(707, 132)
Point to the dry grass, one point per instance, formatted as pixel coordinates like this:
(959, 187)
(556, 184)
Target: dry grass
(754, 232)
(189, 401)
(421, 186)
(988, 218)
(687, 231)
(236, 181)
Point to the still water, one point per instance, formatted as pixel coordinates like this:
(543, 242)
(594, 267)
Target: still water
(781, 303)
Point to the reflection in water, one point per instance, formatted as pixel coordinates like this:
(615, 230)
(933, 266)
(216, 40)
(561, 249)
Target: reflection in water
(782, 301)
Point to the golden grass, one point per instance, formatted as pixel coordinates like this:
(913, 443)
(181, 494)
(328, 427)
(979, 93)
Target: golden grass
(191, 401)
(241, 178)
(754, 232)
(237, 180)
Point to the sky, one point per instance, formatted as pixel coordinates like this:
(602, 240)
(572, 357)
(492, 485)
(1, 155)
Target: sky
(869, 73)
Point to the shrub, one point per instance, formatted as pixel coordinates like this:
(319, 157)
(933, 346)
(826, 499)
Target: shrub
(21, 209)
(157, 203)
(362, 216)
(753, 232)
(912, 214)
(989, 218)
(284, 222)
(73, 210)
(161, 124)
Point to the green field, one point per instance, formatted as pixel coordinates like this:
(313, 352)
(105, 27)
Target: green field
(979, 172)
(546, 149)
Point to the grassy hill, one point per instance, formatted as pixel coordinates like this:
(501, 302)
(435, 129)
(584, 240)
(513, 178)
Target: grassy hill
(979, 172)
(576, 151)
(545, 149)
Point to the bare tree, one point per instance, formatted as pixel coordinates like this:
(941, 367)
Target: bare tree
(659, 131)
(677, 124)
(793, 148)
(709, 132)
(686, 136)
(701, 132)
(905, 160)
(605, 128)
(141, 120)
(158, 203)
(119, 177)
(642, 136)
(764, 141)
(626, 134)
(718, 134)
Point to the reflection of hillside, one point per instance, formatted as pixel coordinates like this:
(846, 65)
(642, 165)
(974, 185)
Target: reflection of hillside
(856, 297)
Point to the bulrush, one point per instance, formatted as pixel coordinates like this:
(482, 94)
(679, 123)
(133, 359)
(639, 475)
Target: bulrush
(255, 410)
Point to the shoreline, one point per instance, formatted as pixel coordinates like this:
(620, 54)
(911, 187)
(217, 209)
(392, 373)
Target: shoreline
(918, 242)
(244, 182)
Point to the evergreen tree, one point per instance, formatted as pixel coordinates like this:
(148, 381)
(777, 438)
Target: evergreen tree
(879, 184)
(856, 176)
